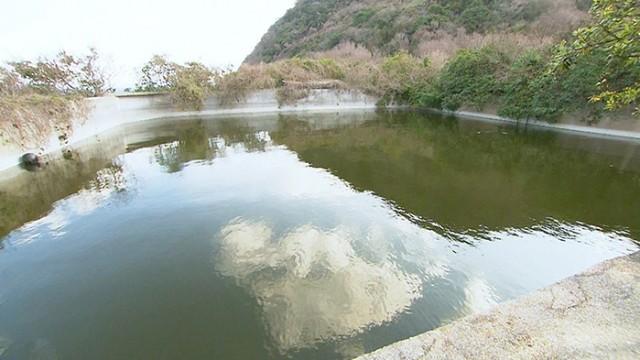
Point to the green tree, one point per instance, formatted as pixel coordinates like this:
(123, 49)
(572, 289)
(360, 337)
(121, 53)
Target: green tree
(471, 78)
(158, 74)
(615, 31)
(477, 17)
(520, 92)
(194, 83)
(187, 85)
(405, 78)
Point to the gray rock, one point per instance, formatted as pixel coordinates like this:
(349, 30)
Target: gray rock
(31, 159)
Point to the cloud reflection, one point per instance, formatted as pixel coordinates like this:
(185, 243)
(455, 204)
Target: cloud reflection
(312, 284)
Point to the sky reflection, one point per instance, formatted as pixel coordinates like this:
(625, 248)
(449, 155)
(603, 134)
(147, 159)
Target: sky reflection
(249, 240)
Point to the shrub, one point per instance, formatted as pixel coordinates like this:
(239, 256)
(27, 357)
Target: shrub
(324, 68)
(471, 78)
(41, 98)
(158, 74)
(9, 83)
(531, 91)
(560, 93)
(233, 86)
(531, 10)
(65, 74)
(30, 118)
(522, 86)
(188, 85)
(363, 16)
(401, 75)
(614, 38)
(477, 17)
(193, 84)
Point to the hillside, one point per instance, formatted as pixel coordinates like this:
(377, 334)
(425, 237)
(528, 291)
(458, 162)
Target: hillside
(417, 26)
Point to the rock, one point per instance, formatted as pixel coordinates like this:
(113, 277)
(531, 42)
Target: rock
(31, 160)
(67, 154)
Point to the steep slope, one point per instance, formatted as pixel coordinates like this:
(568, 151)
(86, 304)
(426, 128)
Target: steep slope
(387, 26)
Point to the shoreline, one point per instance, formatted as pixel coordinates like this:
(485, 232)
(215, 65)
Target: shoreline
(569, 128)
(112, 112)
(595, 314)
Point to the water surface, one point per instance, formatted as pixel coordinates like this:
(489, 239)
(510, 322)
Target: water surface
(302, 237)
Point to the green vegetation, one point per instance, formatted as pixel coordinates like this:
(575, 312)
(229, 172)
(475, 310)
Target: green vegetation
(417, 54)
(596, 69)
(520, 84)
(470, 78)
(475, 54)
(389, 26)
(521, 87)
(188, 85)
(297, 23)
(614, 37)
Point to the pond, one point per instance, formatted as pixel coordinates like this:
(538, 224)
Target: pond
(315, 236)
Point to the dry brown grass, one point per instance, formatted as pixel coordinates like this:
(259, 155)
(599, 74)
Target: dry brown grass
(290, 77)
(562, 17)
(29, 118)
(347, 50)
(440, 47)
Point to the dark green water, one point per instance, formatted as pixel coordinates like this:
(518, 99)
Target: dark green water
(303, 237)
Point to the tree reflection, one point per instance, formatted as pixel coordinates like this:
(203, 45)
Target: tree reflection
(473, 176)
(192, 144)
(31, 195)
(197, 142)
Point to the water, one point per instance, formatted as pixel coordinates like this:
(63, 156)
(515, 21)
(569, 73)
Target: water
(302, 237)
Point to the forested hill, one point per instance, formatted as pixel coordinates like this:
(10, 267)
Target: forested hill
(388, 26)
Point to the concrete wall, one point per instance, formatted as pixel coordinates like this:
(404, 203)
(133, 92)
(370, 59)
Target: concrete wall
(627, 128)
(593, 315)
(110, 112)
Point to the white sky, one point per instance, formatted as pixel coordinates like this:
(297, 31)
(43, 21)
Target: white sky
(127, 33)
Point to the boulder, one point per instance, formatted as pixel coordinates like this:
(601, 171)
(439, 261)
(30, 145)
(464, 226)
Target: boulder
(30, 160)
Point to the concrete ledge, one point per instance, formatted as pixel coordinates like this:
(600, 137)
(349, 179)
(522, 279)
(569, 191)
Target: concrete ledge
(572, 128)
(594, 315)
(111, 112)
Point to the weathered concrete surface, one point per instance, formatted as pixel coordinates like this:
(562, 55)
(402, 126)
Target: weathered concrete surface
(594, 315)
(112, 112)
(629, 129)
